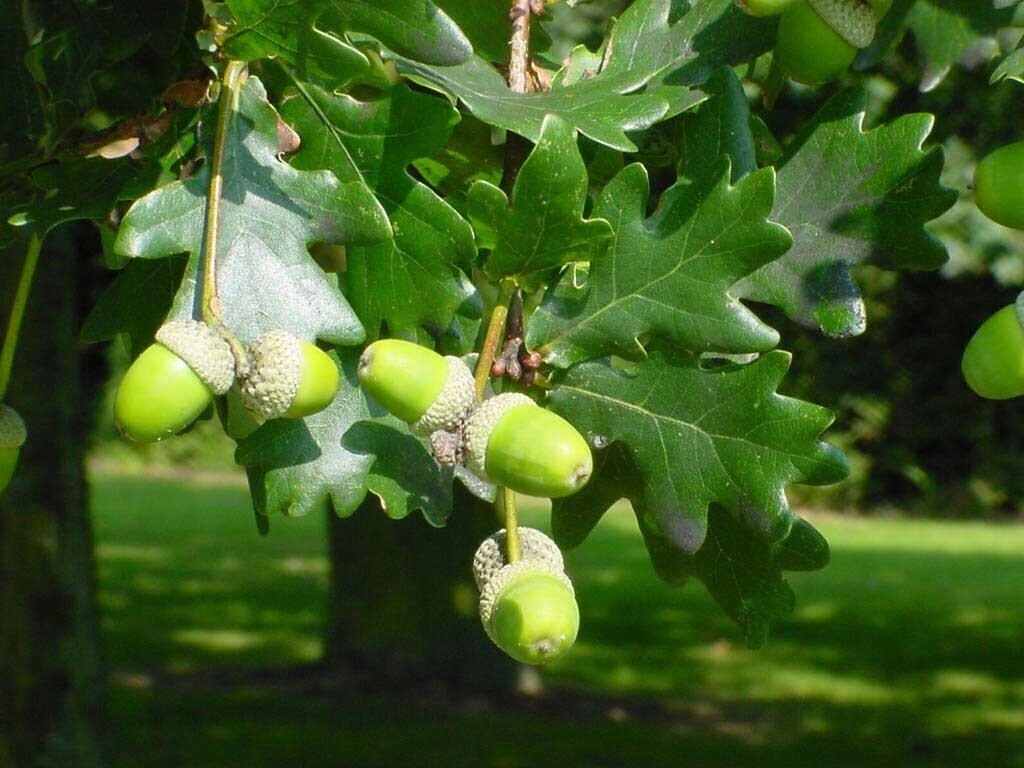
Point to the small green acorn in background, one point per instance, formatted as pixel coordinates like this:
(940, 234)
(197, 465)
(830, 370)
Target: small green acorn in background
(430, 392)
(513, 442)
(993, 362)
(818, 40)
(12, 436)
(173, 381)
(528, 608)
(288, 378)
(999, 186)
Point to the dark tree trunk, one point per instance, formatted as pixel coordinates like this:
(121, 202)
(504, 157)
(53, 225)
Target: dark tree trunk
(52, 687)
(403, 602)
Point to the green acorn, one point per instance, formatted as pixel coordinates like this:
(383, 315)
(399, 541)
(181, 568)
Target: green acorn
(999, 186)
(12, 436)
(852, 20)
(817, 40)
(511, 441)
(528, 608)
(173, 381)
(288, 378)
(430, 392)
(993, 363)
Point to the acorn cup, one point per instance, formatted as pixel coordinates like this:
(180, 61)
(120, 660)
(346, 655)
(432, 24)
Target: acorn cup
(288, 378)
(430, 392)
(12, 436)
(513, 442)
(173, 381)
(528, 608)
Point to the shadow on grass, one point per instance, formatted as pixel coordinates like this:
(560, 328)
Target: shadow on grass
(904, 652)
(187, 582)
(265, 728)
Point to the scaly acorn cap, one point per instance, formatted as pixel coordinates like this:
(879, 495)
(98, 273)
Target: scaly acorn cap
(507, 576)
(480, 425)
(13, 433)
(852, 20)
(275, 372)
(535, 546)
(203, 350)
(453, 403)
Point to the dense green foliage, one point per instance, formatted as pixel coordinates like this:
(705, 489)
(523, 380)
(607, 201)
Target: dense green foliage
(345, 170)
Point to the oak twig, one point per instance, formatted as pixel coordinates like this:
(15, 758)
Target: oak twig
(519, 46)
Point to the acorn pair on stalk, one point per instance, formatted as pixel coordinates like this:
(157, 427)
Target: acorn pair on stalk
(508, 439)
(528, 607)
(175, 379)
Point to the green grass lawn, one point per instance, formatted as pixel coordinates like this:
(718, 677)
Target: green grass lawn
(907, 651)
